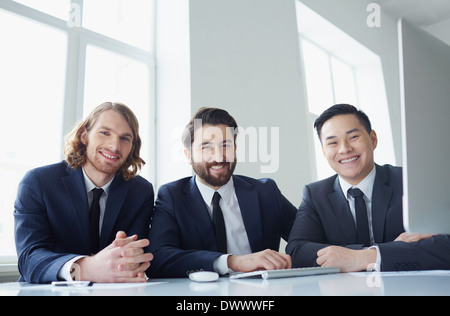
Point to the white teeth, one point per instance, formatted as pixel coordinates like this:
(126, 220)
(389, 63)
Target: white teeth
(349, 160)
(217, 167)
(109, 156)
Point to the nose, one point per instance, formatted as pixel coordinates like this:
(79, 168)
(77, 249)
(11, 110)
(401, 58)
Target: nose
(217, 154)
(345, 147)
(114, 143)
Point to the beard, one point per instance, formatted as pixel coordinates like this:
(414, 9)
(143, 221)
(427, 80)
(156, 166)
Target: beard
(101, 165)
(202, 170)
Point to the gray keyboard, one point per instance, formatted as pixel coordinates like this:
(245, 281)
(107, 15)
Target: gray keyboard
(286, 273)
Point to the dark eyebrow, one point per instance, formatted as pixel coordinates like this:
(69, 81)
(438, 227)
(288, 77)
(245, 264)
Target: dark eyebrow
(348, 132)
(352, 130)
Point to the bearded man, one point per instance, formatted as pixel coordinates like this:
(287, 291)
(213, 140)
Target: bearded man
(217, 221)
(72, 218)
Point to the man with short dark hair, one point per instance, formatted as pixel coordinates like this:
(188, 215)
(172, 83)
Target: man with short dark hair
(353, 220)
(217, 221)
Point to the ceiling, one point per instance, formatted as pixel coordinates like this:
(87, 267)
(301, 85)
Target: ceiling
(431, 15)
(423, 13)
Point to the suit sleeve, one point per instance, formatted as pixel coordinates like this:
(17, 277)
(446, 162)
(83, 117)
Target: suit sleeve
(37, 261)
(140, 224)
(170, 260)
(426, 254)
(288, 212)
(307, 235)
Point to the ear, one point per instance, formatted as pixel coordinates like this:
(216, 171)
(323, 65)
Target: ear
(374, 138)
(188, 155)
(84, 136)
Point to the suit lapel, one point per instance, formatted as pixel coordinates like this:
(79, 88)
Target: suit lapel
(117, 193)
(381, 197)
(76, 193)
(251, 212)
(342, 211)
(193, 201)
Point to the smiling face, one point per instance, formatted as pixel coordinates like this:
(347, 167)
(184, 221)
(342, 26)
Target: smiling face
(108, 145)
(348, 147)
(213, 155)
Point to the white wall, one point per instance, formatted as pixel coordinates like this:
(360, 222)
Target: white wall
(173, 94)
(244, 58)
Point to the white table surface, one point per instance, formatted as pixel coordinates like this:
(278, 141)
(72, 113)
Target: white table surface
(363, 283)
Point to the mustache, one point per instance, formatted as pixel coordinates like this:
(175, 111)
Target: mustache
(213, 164)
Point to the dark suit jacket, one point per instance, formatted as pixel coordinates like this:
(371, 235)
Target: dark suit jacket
(52, 218)
(324, 219)
(182, 235)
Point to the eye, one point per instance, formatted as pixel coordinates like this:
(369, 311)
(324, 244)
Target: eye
(106, 133)
(125, 138)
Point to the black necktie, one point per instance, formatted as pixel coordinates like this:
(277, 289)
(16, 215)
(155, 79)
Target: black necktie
(219, 225)
(94, 220)
(362, 223)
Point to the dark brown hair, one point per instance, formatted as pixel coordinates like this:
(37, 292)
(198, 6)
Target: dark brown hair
(208, 116)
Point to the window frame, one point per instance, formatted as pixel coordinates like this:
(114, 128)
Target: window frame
(78, 39)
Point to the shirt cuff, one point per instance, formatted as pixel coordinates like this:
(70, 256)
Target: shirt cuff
(377, 265)
(221, 265)
(70, 271)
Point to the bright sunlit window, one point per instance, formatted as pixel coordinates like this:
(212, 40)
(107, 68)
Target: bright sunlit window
(57, 8)
(129, 21)
(338, 69)
(55, 69)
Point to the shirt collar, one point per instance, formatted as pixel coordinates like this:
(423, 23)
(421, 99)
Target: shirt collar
(366, 185)
(225, 191)
(90, 185)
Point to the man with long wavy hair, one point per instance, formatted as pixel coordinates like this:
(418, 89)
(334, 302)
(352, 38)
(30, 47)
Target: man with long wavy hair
(72, 218)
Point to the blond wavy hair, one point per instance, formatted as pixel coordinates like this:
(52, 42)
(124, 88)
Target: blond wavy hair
(75, 150)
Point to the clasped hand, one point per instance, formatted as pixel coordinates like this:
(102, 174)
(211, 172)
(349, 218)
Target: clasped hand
(123, 261)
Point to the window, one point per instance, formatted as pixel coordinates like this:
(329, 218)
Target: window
(338, 69)
(56, 8)
(59, 59)
(328, 81)
(128, 21)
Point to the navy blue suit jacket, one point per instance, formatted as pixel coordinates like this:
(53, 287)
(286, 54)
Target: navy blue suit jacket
(182, 235)
(324, 219)
(52, 218)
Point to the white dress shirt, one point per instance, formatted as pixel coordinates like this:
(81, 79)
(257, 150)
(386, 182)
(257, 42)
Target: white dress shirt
(366, 186)
(64, 272)
(237, 239)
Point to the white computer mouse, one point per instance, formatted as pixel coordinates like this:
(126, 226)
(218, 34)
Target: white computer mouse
(204, 276)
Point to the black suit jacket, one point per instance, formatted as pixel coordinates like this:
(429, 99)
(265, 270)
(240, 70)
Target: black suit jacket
(52, 218)
(324, 219)
(182, 237)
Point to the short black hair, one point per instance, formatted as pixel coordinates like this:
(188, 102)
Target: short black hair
(341, 109)
(208, 116)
